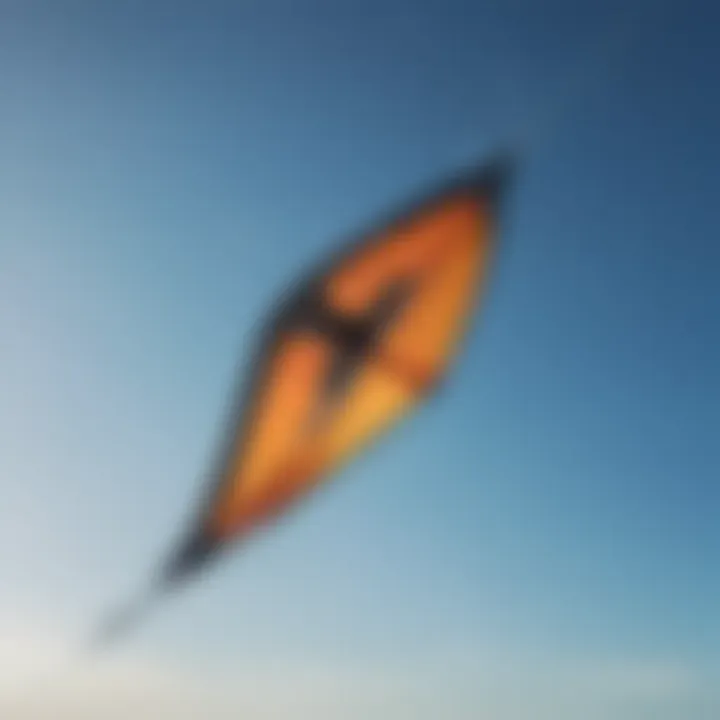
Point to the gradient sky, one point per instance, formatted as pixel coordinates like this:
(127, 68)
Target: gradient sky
(540, 542)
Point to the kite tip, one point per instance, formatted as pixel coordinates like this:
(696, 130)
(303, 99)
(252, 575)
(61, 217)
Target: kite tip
(493, 176)
(191, 555)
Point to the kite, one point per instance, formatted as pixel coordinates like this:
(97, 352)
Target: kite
(346, 354)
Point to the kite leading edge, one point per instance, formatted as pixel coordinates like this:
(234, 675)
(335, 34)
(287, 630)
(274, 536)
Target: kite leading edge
(346, 355)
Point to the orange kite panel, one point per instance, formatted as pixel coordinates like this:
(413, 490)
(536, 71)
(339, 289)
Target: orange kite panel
(297, 434)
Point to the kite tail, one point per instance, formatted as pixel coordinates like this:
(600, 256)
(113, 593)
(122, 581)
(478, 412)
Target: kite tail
(125, 619)
(189, 557)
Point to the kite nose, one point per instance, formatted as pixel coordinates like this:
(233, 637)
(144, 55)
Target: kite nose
(492, 179)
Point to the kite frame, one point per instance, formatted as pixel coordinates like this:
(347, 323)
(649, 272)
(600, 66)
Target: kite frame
(489, 180)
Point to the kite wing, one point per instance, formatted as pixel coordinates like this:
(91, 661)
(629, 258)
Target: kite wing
(349, 353)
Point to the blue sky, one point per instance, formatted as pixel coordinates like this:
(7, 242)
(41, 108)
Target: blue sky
(541, 541)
